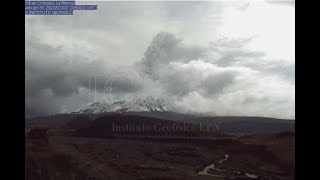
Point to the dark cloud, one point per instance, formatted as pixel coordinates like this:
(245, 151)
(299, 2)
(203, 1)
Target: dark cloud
(50, 75)
(164, 48)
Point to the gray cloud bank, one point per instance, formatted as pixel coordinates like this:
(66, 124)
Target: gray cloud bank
(143, 49)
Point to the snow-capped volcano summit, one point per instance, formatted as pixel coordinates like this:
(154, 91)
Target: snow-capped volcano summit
(134, 105)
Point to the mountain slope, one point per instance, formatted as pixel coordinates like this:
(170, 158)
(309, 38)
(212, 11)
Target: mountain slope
(133, 105)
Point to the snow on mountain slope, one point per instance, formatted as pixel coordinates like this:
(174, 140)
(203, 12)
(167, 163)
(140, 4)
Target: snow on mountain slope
(133, 105)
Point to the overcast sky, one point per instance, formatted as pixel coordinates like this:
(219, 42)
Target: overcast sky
(219, 58)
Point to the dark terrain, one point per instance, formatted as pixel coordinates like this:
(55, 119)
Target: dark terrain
(226, 124)
(86, 147)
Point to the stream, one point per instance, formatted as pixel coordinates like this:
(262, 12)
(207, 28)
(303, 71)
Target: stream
(206, 170)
